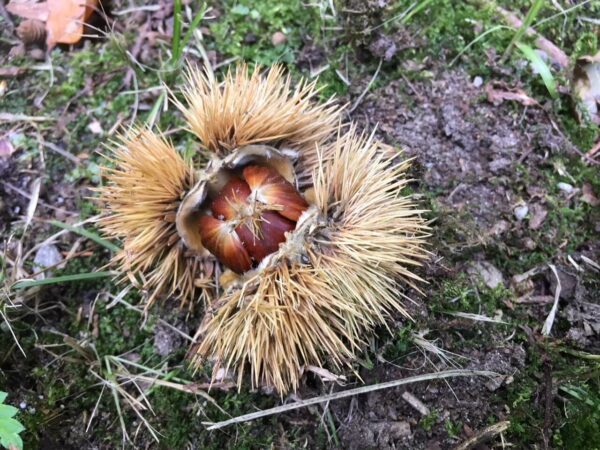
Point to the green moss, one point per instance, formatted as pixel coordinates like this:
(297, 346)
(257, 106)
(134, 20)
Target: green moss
(401, 343)
(576, 407)
(453, 428)
(331, 85)
(581, 429)
(586, 45)
(461, 294)
(428, 421)
(246, 27)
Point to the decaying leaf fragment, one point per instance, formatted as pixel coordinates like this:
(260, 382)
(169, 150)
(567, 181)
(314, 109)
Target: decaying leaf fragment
(497, 93)
(64, 19)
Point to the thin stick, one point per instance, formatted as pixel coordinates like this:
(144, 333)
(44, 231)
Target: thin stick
(44, 204)
(348, 393)
(62, 152)
(485, 435)
(362, 95)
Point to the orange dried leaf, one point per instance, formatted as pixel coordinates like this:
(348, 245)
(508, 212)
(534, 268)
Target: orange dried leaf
(66, 19)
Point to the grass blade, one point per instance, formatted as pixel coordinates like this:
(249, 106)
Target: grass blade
(176, 43)
(540, 67)
(415, 10)
(195, 22)
(23, 284)
(477, 39)
(88, 234)
(531, 16)
(155, 111)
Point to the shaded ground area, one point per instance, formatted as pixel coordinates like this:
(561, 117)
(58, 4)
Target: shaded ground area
(509, 197)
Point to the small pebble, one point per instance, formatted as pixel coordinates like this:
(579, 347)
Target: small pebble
(278, 38)
(477, 81)
(22, 405)
(47, 256)
(565, 187)
(520, 212)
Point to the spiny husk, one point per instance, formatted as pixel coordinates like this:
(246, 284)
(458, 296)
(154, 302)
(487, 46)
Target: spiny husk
(257, 108)
(289, 314)
(145, 183)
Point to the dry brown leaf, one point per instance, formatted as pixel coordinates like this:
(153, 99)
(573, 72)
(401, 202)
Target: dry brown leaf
(588, 195)
(29, 9)
(497, 96)
(538, 215)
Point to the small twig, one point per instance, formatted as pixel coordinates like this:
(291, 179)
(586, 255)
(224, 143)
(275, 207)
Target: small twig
(44, 204)
(534, 299)
(475, 317)
(12, 332)
(9, 117)
(362, 95)
(62, 152)
(550, 319)
(348, 393)
(589, 156)
(119, 300)
(55, 236)
(484, 435)
(591, 263)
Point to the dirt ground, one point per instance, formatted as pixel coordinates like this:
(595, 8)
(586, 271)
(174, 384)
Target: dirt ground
(513, 209)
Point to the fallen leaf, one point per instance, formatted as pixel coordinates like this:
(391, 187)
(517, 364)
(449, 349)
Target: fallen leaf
(29, 9)
(586, 85)
(588, 195)
(538, 215)
(6, 148)
(497, 96)
(66, 20)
